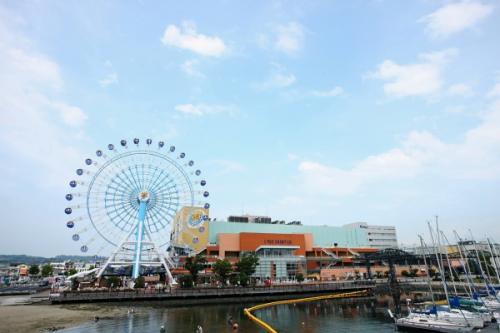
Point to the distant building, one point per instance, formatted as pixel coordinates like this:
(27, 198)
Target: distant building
(284, 249)
(249, 219)
(377, 236)
(323, 235)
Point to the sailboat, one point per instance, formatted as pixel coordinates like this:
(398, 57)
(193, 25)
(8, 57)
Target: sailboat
(443, 318)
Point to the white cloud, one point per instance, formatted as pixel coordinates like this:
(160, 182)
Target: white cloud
(336, 91)
(279, 78)
(227, 166)
(189, 67)
(262, 40)
(419, 79)
(110, 79)
(456, 109)
(460, 89)
(188, 38)
(205, 109)
(420, 154)
(33, 116)
(71, 115)
(495, 91)
(455, 17)
(289, 38)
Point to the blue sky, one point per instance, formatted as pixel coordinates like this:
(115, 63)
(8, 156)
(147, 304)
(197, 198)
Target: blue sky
(326, 112)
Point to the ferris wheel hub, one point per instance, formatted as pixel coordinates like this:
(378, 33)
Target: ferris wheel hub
(143, 196)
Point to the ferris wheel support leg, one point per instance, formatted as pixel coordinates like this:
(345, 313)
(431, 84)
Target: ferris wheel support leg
(138, 238)
(113, 255)
(161, 257)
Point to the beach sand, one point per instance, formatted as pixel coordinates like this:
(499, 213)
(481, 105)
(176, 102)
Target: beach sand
(45, 318)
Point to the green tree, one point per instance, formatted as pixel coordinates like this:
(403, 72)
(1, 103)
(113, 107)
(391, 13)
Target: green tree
(194, 265)
(34, 270)
(405, 273)
(247, 264)
(115, 282)
(47, 270)
(243, 279)
(75, 284)
(72, 271)
(222, 269)
(299, 277)
(139, 282)
(186, 281)
(234, 278)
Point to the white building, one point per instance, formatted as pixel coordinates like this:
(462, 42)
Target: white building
(378, 236)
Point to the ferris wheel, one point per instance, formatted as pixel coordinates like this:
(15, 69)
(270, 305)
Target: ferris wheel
(126, 198)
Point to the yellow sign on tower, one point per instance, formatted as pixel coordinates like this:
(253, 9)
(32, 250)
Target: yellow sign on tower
(190, 228)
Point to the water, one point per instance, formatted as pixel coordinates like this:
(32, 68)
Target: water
(317, 317)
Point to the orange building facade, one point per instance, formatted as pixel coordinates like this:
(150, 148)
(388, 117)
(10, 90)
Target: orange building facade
(284, 256)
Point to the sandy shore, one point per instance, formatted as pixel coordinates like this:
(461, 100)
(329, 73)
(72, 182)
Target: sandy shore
(43, 318)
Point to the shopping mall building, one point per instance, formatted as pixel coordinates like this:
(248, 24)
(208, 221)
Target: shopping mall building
(284, 249)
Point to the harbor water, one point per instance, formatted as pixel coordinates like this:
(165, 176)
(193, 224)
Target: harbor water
(316, 317)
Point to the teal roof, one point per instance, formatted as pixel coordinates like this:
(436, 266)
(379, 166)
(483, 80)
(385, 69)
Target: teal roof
(323, 236)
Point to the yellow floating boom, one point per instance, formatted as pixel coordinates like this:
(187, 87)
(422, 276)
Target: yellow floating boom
(267, 327)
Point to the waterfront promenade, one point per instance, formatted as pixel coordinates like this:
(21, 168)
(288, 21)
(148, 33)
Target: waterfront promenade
(202, 294)
(207, 293)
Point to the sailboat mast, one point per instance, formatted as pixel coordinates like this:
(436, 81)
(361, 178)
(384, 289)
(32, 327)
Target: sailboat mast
(452, 277)
(494, 256)
(465, 264)
(424, 248)
(441, 271)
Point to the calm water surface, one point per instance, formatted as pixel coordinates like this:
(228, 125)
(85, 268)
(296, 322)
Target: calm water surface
(317, 317)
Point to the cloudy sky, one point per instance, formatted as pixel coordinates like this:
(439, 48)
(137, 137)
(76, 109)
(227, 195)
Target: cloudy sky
(328, 112)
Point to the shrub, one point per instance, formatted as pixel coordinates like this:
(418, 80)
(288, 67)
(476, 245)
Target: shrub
(186, 281)
(139, 282)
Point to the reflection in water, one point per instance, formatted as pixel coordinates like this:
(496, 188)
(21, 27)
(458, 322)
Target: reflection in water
(317, 317)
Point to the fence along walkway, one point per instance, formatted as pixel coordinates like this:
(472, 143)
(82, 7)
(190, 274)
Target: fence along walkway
(268, 328)
(205, 292)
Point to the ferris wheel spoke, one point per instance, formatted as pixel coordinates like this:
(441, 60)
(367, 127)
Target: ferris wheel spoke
(158, 181)
(121, 214)
(150, 222)
(167, 191)
(131, 176)
(125, 177)
(156, 215)
(165, 211)
(151, 176)
(139, 179)
(125, 182)
(167, 201)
